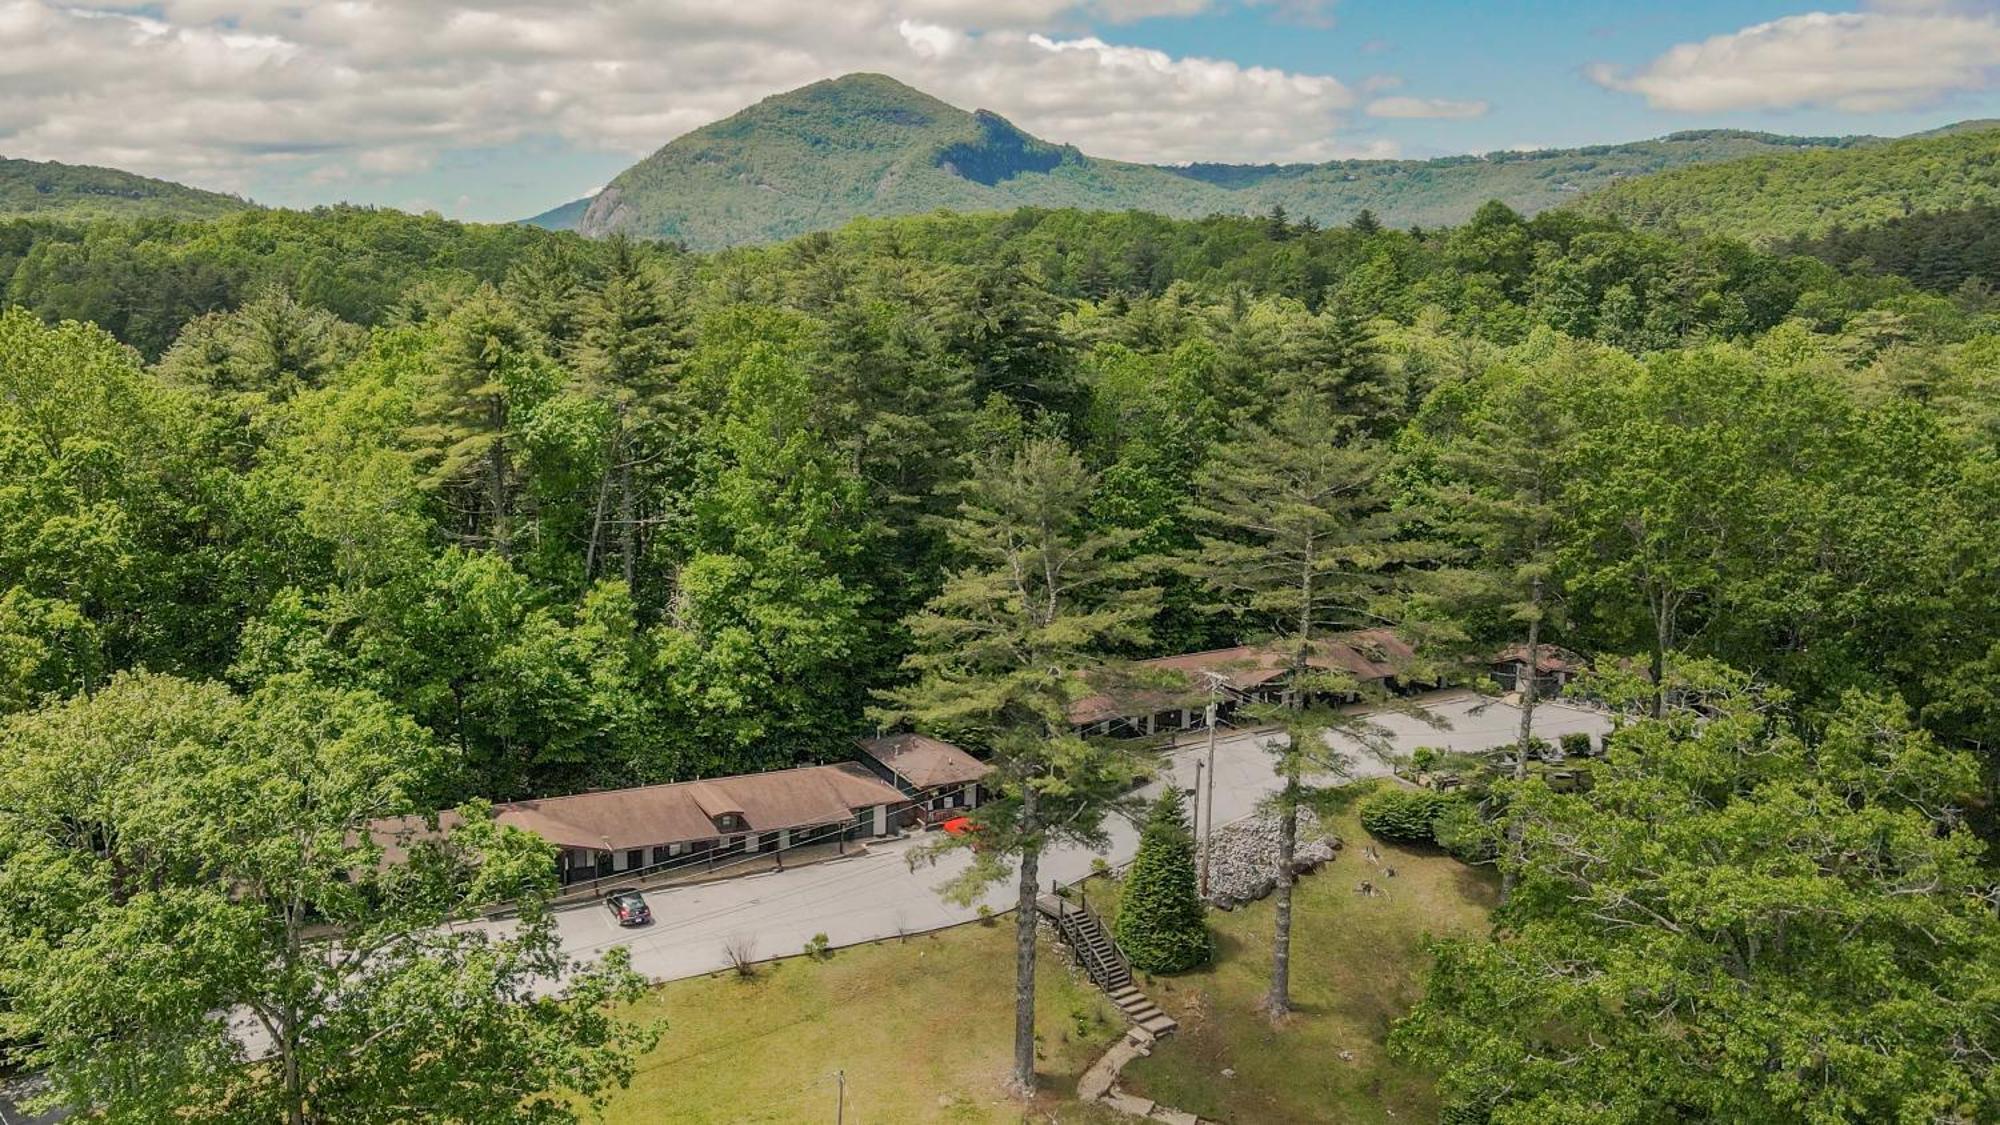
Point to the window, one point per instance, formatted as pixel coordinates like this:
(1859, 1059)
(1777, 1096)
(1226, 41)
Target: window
(635, 858)
(660, 855)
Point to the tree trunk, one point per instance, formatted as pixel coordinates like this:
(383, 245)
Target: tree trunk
(590, 550)
(288, 1043)
(496, 486)
(1024, 952)
(628, 524)
(1662, 640)
(1278, 1001)
(1529, 693)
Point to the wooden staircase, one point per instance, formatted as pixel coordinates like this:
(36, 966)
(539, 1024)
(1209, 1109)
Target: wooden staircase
(1107, 968)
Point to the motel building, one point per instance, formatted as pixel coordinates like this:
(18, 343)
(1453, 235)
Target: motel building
(1241, 676)
(692, 825)
(938, 780)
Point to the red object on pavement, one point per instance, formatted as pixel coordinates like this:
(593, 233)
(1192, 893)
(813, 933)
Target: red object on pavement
(958, 825)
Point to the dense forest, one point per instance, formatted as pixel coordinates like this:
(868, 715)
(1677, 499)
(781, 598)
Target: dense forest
(1770, 197)
(528, 514)
(46, 189)
(690, 499)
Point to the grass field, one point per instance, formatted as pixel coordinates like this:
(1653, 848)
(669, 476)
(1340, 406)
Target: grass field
(1356, 965)
(923, 1027)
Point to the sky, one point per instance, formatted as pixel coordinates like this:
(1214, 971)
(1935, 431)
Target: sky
(500, 109)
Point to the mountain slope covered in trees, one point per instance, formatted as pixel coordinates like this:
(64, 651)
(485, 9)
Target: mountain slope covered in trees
(867, 145)
(46, 189)
(1810, 194)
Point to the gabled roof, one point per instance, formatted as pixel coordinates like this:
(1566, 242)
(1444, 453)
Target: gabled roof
(684, 811)
(1367, 654)
(923, 761)
(1551, 658)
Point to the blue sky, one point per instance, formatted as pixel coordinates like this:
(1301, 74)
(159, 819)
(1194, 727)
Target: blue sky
(499, 109)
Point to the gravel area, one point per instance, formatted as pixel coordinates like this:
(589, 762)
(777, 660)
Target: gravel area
(1243, 868)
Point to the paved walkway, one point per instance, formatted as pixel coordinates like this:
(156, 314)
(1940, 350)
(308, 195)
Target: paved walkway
(882, 894)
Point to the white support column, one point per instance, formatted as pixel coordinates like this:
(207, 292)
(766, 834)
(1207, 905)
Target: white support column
(784, 838)
(881, 820)
(750, 842)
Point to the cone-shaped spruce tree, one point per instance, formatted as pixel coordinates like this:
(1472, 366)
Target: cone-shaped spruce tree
(1160, 923)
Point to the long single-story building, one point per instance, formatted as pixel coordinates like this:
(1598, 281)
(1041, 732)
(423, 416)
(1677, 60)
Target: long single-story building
(1247, 674)
(938, 778)
(614, 831)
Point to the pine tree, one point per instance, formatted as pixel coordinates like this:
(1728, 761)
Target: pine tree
(1499, 489)
(489, 371)
(1302, 540)
(1001, 654)
(1335, 356)
(631, 341)
(1161, 925)
(1365, 222)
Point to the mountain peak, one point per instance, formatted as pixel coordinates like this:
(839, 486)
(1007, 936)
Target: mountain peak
(867, 144)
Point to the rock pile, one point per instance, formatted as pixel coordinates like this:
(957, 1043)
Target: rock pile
(1242, 868)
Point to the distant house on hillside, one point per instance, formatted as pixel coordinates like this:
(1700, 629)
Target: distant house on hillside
(1245, 674)
(938, 778)
(621, 830)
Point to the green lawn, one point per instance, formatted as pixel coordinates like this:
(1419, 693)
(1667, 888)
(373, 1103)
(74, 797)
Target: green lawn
(923, 1028)
(1356, 966)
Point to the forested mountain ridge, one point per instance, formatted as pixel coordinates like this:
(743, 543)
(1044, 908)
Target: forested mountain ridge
(47, 189)
(867, 145)
(1810, 194)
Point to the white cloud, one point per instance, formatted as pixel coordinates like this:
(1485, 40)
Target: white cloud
(1896, 55)
(1426, 107)
(225, 93)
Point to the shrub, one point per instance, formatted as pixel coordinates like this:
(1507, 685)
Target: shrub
(1403, 814)
(819, 948)
(1161, 925)
(1576, 744)
(1424, 757)
(1459, 829)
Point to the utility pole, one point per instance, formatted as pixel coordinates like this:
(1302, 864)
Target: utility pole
(840, 1097)
(1214, 688)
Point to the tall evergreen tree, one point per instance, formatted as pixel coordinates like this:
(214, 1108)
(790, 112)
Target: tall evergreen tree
(1302, 541)
(1500, 470)
(631, 340)
(489, 371)
(1002, 653)
(1161, 925)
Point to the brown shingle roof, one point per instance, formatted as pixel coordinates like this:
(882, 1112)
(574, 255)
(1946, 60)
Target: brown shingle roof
(1368, 654)
(683, 811)
(923, 761)
(1552, 659)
